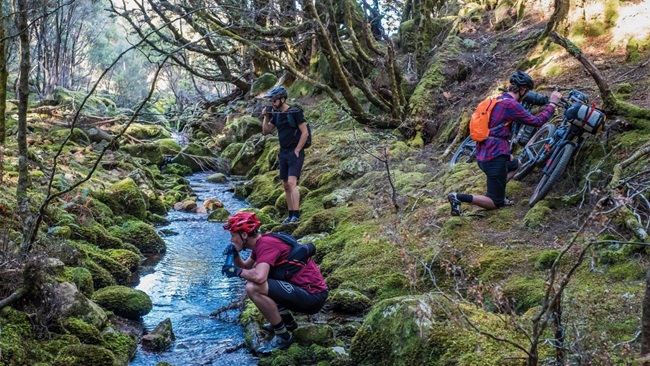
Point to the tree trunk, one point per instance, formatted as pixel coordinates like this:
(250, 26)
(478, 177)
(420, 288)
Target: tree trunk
(3, 82)
(98, 135)
(23, 98)
(645, 317)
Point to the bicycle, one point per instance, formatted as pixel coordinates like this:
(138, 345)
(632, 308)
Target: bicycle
(554, 147)
(521, 133)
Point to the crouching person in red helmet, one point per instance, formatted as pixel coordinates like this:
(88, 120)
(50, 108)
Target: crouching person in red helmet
(268, 286)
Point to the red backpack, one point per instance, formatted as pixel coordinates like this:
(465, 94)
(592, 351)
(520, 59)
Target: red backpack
(478, 125)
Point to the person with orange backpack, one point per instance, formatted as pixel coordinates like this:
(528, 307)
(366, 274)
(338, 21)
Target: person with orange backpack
(490, 128)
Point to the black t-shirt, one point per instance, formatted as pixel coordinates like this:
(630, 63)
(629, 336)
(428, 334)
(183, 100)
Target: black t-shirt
(287, 134)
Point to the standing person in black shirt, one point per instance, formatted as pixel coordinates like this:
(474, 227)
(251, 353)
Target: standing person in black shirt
(292, 133)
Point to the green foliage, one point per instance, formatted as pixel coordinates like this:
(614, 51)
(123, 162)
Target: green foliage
(122, 346)
(82, 330)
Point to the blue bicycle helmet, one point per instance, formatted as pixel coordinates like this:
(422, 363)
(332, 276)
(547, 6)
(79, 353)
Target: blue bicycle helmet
(520, 78)
(277, 92)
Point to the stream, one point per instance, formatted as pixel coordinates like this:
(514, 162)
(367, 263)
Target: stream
(186, 285)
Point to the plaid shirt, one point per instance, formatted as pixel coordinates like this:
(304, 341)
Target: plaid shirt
(507, 110)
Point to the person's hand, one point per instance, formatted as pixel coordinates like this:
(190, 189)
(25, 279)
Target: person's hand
(267, 110)
(555, 97)
(231, 271)
(297, 152)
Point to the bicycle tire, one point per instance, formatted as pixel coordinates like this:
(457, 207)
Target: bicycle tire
(557, 168)
(466, 152)
(526, 164)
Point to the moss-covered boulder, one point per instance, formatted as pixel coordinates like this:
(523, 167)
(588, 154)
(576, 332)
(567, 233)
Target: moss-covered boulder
(247, 156)
(337, 198)
(219, 215)
(168, 146)
(217, 178)
(15, 337)
(177, 169)
(80, 277)
(147, 132)
(82, 330)
(122, 345)
(120, 273)
(263, 83)
(148, 151)
(124, 197)
(349, 301)
(84, 355)
(126, 258)
(321, 334)
(140, 234)
(242, 128)
(161, 338)
(71, 303)
(98, 235)
(429, 330)
(124, 301)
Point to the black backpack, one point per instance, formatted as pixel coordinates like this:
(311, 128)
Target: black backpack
(293, 124)
(297, 259)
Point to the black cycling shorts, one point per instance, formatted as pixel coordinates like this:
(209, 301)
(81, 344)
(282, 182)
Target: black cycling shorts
(497, 171)
(295, 298)
(290, 164)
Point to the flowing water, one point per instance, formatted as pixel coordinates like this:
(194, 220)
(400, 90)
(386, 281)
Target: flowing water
(186, 285)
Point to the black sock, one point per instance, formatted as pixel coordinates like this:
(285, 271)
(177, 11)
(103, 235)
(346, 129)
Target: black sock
(287, 317)
(292, 213)
(462, 197)
(281, 330)
(296, 213)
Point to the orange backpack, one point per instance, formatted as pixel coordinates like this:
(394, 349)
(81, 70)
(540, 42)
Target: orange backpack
(478, 125)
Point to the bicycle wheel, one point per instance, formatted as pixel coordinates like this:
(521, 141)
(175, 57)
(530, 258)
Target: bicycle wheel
(555, 171)
(534, 149)
(465, 152)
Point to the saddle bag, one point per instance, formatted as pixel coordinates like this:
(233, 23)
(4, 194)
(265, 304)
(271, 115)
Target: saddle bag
(587, 117)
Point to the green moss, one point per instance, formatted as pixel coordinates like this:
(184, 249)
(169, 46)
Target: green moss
(524, 292)
(15, 338)
(537, 215)
(82, 330)
(126, 258)
(629, 271)
(177, 169)
(98, 235)
(168, 146)
(149, 151)
(122, 346)
(124, 197)
(81, 277)
(124, 301)
(84, 355)
(545, 259)
(147, 132)
(140, 234)
(101, 276)
(496, 264)
(262, 84)
(120, 273)
(219, 215)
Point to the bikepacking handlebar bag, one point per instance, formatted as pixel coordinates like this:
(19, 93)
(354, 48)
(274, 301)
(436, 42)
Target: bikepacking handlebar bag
(589, 118)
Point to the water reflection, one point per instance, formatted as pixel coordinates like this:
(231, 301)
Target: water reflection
(186, 285)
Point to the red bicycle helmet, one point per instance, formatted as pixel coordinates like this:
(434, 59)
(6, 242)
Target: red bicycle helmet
(243, 221)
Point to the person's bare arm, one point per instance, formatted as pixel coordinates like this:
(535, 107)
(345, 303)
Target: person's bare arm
(258, 274)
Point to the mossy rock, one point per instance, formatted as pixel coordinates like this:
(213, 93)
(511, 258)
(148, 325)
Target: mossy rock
(247, 156)
(124, 301)
(168, 146)
(122, 345)
(263, 83)
(82, 278)
(147, 132)
(219, 215)
(84, 355)
(101, 276)
(217, 178)
(140, 234)
(16, 337)
(231, 151)
(124, 197)
(120, 273)
(546, 259)
(148, 151)
(321, 334)
(524, 292)
(126, 258)
(82, 330)
(266, 189)
(98, 235)
(348, 301)
(177, 169)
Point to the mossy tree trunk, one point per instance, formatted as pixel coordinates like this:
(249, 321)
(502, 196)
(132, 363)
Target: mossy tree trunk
(23, 99)
(645, 317)
(3, 83)
(352, 74)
